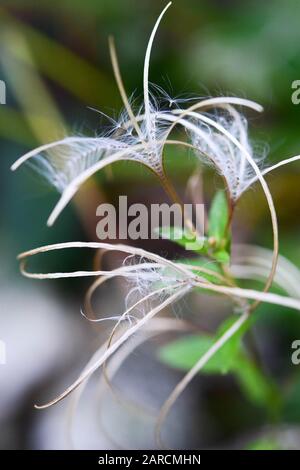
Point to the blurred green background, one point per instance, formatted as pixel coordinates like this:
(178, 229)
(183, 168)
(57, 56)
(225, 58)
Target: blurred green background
(55, 62)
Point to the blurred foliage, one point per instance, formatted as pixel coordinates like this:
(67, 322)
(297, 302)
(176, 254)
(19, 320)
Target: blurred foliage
(264, 444)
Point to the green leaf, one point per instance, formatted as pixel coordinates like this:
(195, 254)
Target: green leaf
(218, 218)
(222, 256)
(257, 387)
(183, 238)
(200, 262)
(228, 322)
(186, 352)
(219, 239)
